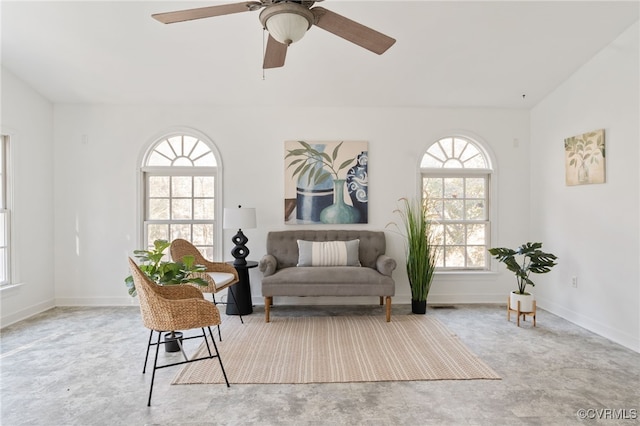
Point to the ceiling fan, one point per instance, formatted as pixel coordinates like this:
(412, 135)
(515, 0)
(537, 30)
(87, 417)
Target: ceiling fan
(287, 21)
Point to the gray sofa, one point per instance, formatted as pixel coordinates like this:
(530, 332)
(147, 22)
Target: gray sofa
(283, 278)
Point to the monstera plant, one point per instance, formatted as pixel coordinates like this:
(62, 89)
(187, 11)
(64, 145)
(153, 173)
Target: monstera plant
(525, 260)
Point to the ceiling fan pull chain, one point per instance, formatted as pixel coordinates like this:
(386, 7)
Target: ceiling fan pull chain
(264, 30)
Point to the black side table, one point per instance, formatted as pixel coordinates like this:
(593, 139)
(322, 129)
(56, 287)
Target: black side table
(241, 290)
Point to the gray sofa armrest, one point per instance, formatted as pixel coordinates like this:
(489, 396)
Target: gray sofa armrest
(385, 264)
(268, 265)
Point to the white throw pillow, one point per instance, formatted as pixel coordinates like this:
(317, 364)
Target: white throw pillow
(328, 253)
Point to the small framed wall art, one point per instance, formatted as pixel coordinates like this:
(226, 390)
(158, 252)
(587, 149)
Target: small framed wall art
(585, 158)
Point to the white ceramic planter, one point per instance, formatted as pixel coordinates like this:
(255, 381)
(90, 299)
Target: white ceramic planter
(526, 301)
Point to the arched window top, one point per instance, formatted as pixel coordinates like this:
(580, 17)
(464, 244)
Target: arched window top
(455, 153)
(181, 151)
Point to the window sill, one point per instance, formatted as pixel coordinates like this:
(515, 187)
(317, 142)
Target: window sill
(10, 286)
(455, 275)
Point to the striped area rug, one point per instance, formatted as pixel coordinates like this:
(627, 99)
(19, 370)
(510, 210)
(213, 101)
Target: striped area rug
(337, 349)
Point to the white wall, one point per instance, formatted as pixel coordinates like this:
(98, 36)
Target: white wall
(97, 149)
(28, 119)
(594, 229)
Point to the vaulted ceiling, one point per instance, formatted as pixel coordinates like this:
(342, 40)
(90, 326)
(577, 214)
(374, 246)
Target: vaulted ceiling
(447, 54)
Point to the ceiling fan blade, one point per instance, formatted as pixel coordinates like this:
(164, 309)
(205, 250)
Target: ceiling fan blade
(205, 12)
(274, 54)
(352, 31)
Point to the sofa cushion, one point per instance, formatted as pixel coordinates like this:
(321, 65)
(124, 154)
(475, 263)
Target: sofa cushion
(328, 253)
(329, 281)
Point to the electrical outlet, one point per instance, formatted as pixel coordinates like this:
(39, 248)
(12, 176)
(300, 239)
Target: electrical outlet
(574, 282)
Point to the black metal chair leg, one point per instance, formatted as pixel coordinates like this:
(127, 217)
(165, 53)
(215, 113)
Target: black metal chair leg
(206, 341)
(213, 296)
(218, 356)
(155, 363)
(146, 357)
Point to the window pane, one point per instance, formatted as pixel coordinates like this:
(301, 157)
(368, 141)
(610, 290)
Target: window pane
(476, 162)
(3, 229)
(181, 186)
(181, 230)
(156, 159)
(433, 187)
(181, 209)
(203, 209)
(476, 256)
(453, 209)
(202, 234)
(207, 252)
(455, 257)
(203, 186)
(157, 232)
(158, 186)
(454, 188)
(474, 209)
(476, 234)
(165, 150)
(3, 265)
(158, 209)
(454, 234)
(207, 160)
(475, 187)
(188, 143)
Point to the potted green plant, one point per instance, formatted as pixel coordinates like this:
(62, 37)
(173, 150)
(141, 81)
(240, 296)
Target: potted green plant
(421, 251)
(525, 260)
(163, 272)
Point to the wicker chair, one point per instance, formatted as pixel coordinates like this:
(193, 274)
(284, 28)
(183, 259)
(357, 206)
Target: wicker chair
(170, 308)
(219, 275)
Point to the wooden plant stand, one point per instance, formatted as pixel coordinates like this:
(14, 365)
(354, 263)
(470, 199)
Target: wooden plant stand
(520, 313)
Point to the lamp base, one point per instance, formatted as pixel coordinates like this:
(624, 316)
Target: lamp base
(240, 251)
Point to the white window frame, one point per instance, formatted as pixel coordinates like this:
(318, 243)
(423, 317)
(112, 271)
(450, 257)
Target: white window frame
(5, 209)
(216, 172)
(491, 192)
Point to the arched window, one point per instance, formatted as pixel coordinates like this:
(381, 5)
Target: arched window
(181, 186)
(456, 180)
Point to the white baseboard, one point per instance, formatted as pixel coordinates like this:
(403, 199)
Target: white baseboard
(94, 301)
(23, 314)
(597, 327)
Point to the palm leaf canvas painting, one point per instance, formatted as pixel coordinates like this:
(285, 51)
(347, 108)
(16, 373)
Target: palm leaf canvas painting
(585, 158)
(326, 182)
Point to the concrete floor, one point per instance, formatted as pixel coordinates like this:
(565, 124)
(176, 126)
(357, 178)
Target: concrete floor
(82, 366)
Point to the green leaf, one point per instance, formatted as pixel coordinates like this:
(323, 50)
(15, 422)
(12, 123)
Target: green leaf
(296, 152)
(334, 154)
(306, 145)
(345, 164)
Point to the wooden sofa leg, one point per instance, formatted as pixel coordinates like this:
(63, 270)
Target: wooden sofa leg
(381, 300)
(388, 308)
(267, 308)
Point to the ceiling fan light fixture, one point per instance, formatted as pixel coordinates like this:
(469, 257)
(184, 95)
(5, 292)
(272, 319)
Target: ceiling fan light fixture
(287, 22)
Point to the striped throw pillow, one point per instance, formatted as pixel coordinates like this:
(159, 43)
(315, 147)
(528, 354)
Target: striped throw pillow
(328, 253)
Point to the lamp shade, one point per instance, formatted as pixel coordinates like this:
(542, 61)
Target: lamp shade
(287, 22)
(239, 218)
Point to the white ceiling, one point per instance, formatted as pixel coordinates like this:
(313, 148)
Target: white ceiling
(450, 53)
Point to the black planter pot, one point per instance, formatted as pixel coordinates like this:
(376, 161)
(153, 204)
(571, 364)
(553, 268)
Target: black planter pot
(419, 307)
(171, 341)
